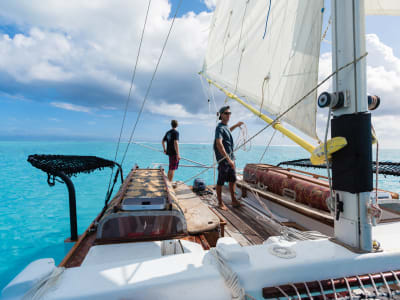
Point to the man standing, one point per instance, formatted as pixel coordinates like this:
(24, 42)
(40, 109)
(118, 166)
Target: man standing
(172, 150)
(223, 148)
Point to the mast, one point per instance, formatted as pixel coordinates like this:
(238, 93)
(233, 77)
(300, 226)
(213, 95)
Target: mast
(351, 167)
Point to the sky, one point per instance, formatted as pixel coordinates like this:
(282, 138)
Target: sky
(66, 69)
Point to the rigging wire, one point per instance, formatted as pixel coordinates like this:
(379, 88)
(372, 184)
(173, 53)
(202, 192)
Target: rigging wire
(151, 82)
(129, 94)
(154, 149)
(331, 205)
(267, 147)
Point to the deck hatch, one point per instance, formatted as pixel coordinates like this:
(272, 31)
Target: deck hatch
(144, 203)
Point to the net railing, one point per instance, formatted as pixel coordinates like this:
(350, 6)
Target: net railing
(385, 167)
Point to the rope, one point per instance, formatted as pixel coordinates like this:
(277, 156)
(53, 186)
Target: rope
(308, 291)
(326, 29)
(322, 290)
(230, 277)
(386, 285)
(373, 284)
(362, 285)
(243, 137)
(241, 28)
(326, 156)
(266, 78)
(154, 149)
(151, 82)
(348, 288)
(129, 94)
(42, 286)
(267, 147)
(296, 290)
(334, 290)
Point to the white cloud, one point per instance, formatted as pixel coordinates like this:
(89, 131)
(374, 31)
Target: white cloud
(69, 106)
(210, 3)
(174, 111)
(383, 79)
(86, 50)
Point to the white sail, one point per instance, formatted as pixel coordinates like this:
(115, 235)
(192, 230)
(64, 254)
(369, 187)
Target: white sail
(382, 7)
(274, 70)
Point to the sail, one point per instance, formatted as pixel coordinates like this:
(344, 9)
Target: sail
(382, 7)
(267, 52)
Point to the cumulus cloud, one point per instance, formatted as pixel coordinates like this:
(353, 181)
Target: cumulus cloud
(210, 3)
(69, 106)
(85, 51)
(383, 79)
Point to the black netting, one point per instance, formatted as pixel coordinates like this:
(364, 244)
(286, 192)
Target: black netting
(385, 167)
(69, 164)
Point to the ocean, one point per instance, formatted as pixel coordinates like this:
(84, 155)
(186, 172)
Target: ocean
(34, 217)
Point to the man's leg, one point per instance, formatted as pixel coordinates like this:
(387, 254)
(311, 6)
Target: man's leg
(221, 204)
(232, 186)
(171, 176)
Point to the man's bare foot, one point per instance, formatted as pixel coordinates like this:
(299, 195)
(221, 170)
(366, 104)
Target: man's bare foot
(222, 206)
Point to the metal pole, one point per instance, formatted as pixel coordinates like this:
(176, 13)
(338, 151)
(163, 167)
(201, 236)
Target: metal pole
(351, 167)
(72, 205)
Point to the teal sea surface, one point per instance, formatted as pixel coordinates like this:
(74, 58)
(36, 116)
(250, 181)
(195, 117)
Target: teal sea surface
(34, 218)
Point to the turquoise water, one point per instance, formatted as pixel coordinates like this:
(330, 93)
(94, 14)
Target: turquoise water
(34, 220)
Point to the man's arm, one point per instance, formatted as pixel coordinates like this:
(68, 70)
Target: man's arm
(238, 124)
(176, 145)
(221, 150)
(163, 145)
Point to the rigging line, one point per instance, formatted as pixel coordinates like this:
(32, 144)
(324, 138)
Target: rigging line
(285, 112)
(267, 147)
(326, 152)
(266, 23)
(377, 164)
(151, 82)
(130, 90)
(241, 28)
(326, 29)
(154, 149)
(227, 37)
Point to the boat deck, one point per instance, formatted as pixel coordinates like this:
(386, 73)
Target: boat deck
(244, 224)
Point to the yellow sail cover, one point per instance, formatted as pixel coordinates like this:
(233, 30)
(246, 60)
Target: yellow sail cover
(267, 52)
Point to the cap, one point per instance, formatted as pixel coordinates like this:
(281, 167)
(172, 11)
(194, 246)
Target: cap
(222, 110)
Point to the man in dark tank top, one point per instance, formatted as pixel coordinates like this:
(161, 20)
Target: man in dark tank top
(172, 149)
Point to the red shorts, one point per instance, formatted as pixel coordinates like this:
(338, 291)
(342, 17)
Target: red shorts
(173, 162)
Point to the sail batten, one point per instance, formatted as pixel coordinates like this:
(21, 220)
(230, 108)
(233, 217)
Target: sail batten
(271, 71)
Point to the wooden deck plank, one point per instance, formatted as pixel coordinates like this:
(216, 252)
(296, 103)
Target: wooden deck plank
(247, 232)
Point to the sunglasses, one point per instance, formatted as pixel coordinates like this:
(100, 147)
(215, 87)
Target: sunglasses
(227, 113)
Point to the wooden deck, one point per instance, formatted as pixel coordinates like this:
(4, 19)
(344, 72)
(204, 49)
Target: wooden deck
(243, 224)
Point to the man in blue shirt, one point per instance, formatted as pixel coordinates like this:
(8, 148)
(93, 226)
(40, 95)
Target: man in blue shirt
(223, 148)
(172, 150)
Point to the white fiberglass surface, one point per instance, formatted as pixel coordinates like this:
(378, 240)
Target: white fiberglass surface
(388, 236)
(132, 252)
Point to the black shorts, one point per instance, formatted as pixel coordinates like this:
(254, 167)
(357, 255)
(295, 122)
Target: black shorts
(225, 173)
